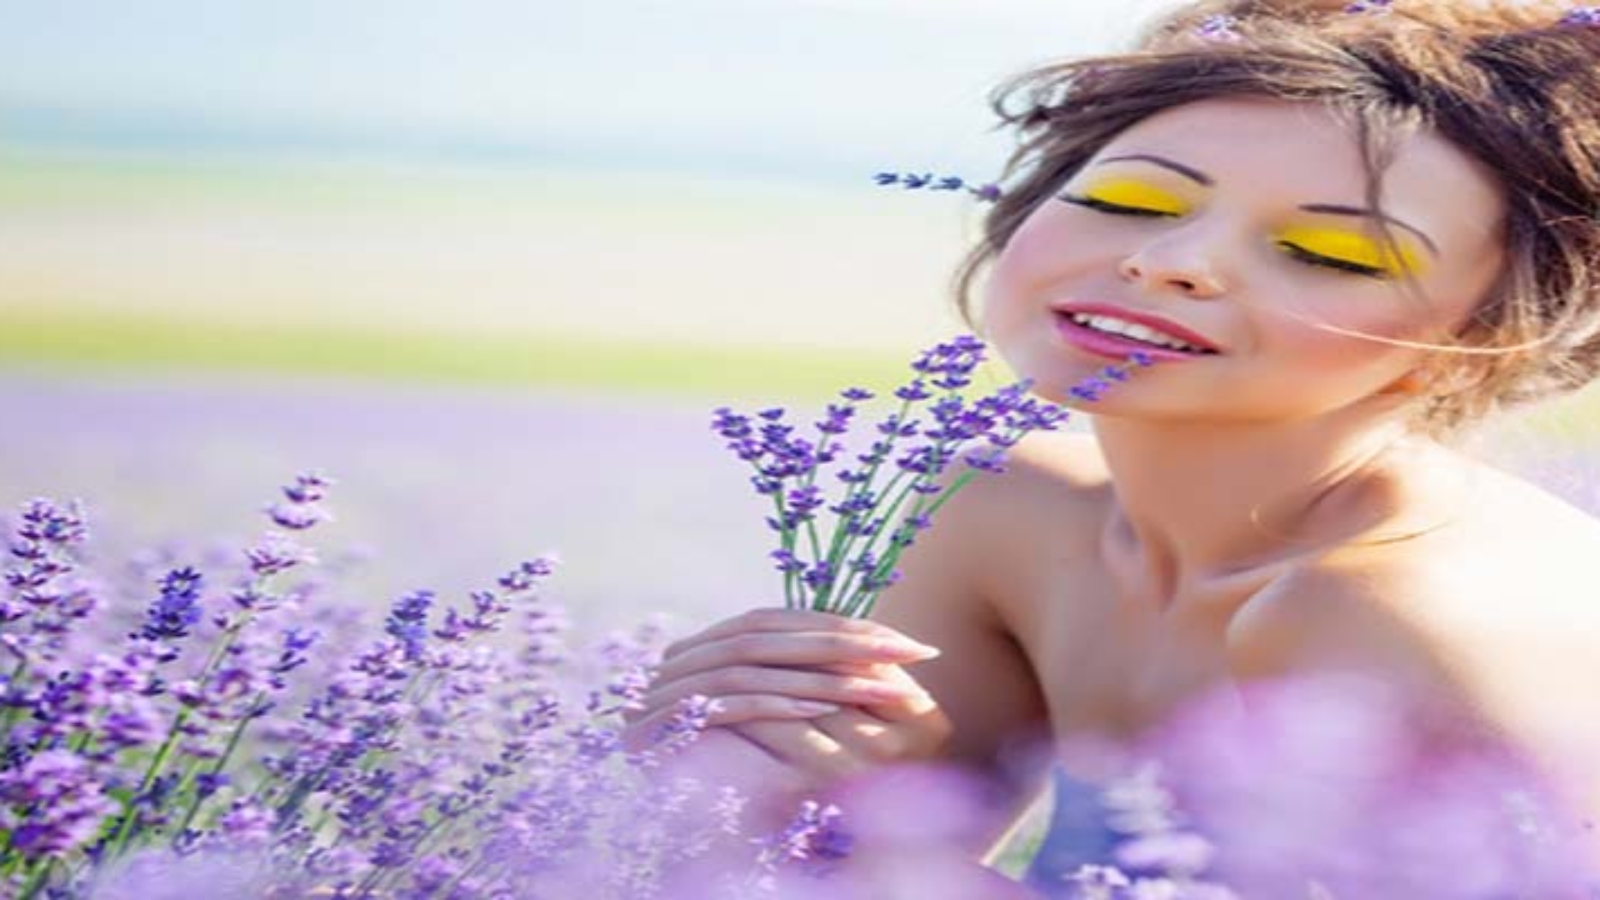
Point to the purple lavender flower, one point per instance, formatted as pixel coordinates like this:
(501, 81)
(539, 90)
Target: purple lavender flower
(303, 509)
(913, 181)
(45, 542)
(813, 836)
(1582, 17)
(988, 193)
(1099, 882)
(52, 804)
(913, 391)
(177, 609)
(844, 570)
(296, 641)
(277, 553)
(247, 824)
(1219, 28)
(686, 724)
(408, 622)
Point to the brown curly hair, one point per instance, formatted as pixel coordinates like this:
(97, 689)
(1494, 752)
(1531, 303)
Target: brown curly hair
(1510, 83)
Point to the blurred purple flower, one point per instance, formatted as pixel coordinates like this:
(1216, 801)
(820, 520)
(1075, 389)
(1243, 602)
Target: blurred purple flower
(177, 609)
(408, 622)
(52, 804)
(44, 543)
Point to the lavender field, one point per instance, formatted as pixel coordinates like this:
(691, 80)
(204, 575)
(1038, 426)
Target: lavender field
(443, 487)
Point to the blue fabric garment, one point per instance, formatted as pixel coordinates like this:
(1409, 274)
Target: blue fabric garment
(1077, 835)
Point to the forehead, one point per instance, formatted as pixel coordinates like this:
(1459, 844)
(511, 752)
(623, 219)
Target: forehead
(1307, 153)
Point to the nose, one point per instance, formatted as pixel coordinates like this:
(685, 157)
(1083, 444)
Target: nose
(1174, 263)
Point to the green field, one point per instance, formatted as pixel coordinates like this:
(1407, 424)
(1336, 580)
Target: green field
(616, 281)
(155, 343)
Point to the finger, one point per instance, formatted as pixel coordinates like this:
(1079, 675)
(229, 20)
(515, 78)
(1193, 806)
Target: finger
(803, 746)
(866, 735)
(738, 708)
(793, 648)
(781, 620)
(914, 703)
(799, 684)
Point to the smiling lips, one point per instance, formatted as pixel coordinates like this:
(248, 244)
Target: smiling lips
(1110, 331)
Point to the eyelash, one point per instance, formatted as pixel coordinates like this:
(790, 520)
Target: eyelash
(1295, 251)
(1114, 208)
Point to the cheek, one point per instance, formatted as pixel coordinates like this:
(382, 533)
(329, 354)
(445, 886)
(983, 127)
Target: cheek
(1046, 249)
(1333, 321)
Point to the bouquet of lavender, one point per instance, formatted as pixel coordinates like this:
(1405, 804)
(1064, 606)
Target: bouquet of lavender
(892, 490)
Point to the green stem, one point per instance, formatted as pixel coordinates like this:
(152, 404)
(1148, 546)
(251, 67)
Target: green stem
(376, 877)
(794, 593)
(129, 814)
(862, 604)
(842, 542)
(222, 763)
(848, 546)
(119, 843)
(309, 784)
(873, 541)
(39, 881)
(15, 710)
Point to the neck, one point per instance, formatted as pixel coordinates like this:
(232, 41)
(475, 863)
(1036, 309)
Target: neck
(1197, 502)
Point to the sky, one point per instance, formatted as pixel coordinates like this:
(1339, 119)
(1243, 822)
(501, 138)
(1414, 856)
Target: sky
(769, 86)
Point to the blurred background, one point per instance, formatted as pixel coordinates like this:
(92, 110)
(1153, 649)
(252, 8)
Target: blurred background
(488, 263)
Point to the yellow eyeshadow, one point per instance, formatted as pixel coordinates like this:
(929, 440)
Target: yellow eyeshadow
(1353, 247)
(1137, 195)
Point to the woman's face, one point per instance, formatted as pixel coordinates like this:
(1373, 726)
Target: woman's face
(1241, 225)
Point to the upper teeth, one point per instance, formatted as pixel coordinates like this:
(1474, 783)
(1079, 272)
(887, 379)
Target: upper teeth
(1132, 330)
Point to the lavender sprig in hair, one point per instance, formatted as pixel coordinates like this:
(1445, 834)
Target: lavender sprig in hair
(1219, 28)
(913, 181)
(893, 489)
(1582, 17)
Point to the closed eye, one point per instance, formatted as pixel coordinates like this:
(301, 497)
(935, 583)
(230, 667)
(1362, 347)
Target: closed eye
(1116, 209)
(1300, 253)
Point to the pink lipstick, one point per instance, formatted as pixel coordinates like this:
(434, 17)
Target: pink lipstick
(1116, 346)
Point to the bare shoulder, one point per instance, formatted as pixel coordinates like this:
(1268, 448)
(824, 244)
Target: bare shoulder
(1333, 616)
(1511, 571)
(1491, 618)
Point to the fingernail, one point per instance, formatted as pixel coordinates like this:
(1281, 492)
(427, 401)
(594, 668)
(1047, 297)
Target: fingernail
(890, 692)
(908, 647)
(812, 708)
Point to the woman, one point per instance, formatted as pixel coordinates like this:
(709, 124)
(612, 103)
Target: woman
(1348, 232)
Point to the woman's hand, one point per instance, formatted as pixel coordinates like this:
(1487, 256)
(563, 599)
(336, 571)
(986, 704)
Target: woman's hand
(822, 694)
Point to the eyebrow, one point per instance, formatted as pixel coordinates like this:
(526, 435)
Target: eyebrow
(1331, 209)
(1194, 175)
